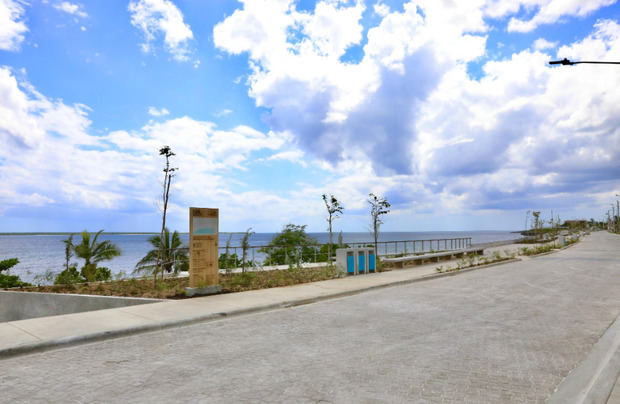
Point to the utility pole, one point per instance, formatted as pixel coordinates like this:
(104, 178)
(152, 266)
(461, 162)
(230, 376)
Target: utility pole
(618, 211)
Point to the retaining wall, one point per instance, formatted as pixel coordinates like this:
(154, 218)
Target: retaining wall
(22, 305)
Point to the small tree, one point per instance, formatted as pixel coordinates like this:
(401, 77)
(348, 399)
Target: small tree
(8, 280)
(245, 246)
(527, 216)
(165, 151)
(173, 256)
(70, 274)
(68, 251)
(536, 222)
(378, 206)
(224, 259)
(293, 239)
(334, 210)
(93, 252)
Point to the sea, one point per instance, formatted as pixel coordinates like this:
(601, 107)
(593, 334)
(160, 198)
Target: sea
(39, 254)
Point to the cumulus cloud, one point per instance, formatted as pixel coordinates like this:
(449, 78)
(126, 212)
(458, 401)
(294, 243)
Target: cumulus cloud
(49, 159)
(158, 112)
(12, 25)
(336, 109)
(550, 11)
(162, 17)
(381, 9)
(71, 8)
(542, 44)
(526, 132)
(412, 114)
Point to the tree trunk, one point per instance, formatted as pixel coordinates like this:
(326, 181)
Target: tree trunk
(329, 246)
(163, 223)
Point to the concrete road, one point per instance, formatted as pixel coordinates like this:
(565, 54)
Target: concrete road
(509, 333)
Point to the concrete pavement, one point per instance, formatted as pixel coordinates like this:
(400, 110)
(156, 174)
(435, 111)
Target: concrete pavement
(23, 336)
(512, 333)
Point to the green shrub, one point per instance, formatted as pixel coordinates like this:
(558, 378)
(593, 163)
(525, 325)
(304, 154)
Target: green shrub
(291, 246)
(68, 276)
(8, 280)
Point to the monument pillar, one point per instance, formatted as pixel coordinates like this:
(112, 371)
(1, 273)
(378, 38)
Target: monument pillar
(203, 251)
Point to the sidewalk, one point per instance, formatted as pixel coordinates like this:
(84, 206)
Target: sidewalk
(37, 334)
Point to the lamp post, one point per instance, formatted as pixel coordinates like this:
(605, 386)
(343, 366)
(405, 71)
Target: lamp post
(618, 213)
(566, 62)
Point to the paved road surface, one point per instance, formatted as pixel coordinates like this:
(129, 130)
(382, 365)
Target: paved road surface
(509, 333)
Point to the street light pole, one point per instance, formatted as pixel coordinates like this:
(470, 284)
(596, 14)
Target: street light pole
(566, 62)
(618, 212)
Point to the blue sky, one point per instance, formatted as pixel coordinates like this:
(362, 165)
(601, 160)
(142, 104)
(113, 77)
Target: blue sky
(446, 108)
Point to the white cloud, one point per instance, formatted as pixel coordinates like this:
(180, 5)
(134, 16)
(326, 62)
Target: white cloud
(71, 8)
(409, 110)
(12, 25)
(542, 44)
(551, 11)
(294, 156)
(223, 112)
(531, 138)
(154, 17)
(381, 9)
(50, 160)
(158, 112)
(339, 109)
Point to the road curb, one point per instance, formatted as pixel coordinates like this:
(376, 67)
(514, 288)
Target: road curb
(593, 379)
(36, 347)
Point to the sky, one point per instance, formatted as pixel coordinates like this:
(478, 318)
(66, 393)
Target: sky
(448, 109)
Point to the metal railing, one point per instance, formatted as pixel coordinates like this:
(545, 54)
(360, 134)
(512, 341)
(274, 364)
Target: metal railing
(388, 248)
(256, 257)
(265, 255)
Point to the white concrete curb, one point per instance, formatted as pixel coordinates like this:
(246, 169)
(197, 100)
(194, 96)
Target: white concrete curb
(593, 379)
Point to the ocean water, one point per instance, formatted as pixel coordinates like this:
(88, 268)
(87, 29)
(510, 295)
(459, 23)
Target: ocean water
(40, 253)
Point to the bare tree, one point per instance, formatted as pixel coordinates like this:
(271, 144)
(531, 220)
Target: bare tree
(378, 206)
(527, 216)
(245, 245)
(68, 251)
(334, 210)
(536, 222)
(165, 151)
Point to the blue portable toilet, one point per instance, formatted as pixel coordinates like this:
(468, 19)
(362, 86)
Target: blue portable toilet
(371, 260)
(361, 264)
(350, 262)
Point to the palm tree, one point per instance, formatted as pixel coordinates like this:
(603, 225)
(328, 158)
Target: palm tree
(172, 256)
(93, 252)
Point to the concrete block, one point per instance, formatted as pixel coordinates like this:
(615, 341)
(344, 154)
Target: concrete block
(205, 291)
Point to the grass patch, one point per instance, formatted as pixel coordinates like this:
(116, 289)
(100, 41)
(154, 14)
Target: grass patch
(540, 249)
(174, 288)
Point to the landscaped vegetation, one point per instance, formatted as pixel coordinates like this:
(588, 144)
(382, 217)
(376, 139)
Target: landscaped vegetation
(7, 280)
(174, 288)
(92, 252)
